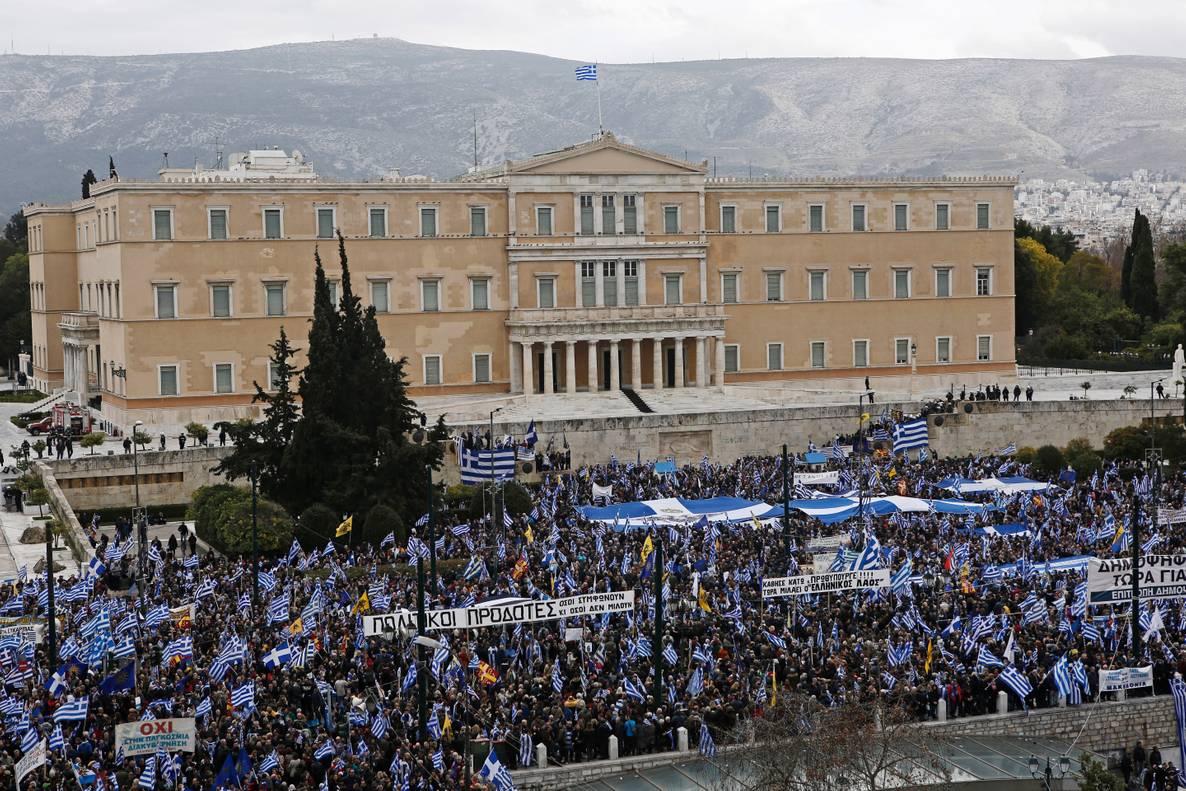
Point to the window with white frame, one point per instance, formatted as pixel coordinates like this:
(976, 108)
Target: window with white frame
(728, 219)
(671, 219)
(943, 281)
(732, 358)
(630, 214)
(275, 298)
(630, 280)
(586, 203)
(162, 227)
(588, 284)
(815, 217)
(943, 349)
(817, 285)
(377, 220)
(672, 289)
(983, 281)
(428, 221)
(774, 286)
(432, 369)
(609, 283)
(901, 351)
(858, 217)
(860, 354)
(167, 380)
(901, 284)
(543, 220)
(982, 217)
(729, 287)
(381, 296)
(860, 284)
(273, 222)
(942, 216)
(609, 215)
(818, 354)
(224, 378)
(481, 369)
(545, 288)
(216, 223)
(274, 378)
(220, 300)
(983, 347)
(325, 222)
(430, 295)
(480, 293)
(901, 217)
(774, 356)
(773, 218)
(477, 220)
(166, 300)
(332, 288)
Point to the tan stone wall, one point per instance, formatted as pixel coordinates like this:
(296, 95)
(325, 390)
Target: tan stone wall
(166, 478)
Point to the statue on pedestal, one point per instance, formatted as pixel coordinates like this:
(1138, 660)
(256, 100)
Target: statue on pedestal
(1179, 361)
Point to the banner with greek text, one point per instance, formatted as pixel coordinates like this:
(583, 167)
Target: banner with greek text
(824, 583)
(30, 761)
(1126, 678)
(148, 736)
(818, 478)
(1109, 580)
(505, 611)
(1171, 516)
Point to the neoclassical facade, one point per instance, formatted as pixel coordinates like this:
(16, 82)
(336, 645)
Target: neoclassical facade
(601, 266)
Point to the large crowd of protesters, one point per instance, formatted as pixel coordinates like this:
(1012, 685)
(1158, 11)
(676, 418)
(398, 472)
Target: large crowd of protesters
(289, 693)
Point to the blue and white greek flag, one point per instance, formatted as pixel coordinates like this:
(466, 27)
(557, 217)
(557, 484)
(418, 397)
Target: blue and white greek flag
(708, 747)
(1008, 450)
(587, 72)
(1062, 677)
(483, 465)
(494, 773)
(1012, 678)
(910, 434)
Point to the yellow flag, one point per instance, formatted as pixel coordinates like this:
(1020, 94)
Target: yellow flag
(703, 601)
(297, 626)
(773, 687)
(346, 526)
(529, 535)
(930, 650)
(363, 605)
(648, 547)
(864, 416)
(757, 524)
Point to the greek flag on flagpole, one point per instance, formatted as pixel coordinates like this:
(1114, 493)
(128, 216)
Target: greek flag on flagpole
(494, 773)
(587, 72)
(476, 464)
(910, 434)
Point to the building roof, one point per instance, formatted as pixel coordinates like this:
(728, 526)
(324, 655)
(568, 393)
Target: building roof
(582, 158)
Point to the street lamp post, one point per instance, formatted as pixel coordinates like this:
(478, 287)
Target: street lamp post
(787, 472)
(138, 516)
(913, 367)
(432, 535)
(490, 477)
(1046, 776)
(254, 537)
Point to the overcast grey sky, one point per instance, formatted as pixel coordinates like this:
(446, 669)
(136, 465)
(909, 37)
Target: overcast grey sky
(614, 30)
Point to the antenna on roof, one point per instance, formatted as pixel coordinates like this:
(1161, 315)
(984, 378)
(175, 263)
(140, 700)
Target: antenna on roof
(217, 152)
(475, 139)
(166, 155)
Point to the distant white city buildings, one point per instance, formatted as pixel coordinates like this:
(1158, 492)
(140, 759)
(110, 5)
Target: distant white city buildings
(1096, 211)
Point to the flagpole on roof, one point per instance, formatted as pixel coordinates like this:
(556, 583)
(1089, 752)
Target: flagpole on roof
(600, 126)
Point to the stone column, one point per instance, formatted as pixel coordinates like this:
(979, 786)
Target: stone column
(548, 368)
(657, 346)
(528, 372)
(701, 362)
(636, 365)
(615, 378)
(679, 362)
(84, 382)
(720, 348)
(593, 384)
(516, 370)
(570, 367)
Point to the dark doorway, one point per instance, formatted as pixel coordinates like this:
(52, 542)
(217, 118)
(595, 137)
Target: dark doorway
(539, 373)
(603, 370)
(669, 367)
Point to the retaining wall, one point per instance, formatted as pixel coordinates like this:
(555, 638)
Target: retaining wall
(109, 481)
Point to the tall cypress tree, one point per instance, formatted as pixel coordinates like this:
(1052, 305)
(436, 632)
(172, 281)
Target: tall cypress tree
(1143, 279)
(1126, 269)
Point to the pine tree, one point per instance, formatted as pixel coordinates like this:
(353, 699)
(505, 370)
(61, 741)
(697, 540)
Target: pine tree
(1143, 280)
(264, 443)
(1126, 269)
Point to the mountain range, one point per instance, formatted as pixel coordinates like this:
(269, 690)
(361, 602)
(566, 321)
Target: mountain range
(358, 108)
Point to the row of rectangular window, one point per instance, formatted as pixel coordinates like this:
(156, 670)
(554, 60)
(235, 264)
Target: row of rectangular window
(218, 222)
(818, 284)
(859, 221)
(903, 348)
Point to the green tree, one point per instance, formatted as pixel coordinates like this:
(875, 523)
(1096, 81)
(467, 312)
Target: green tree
(380, 521)
(1060, 242)
(1126, 267)
(15, 325)
(351, 449)
(1025, 286)
(198, 431)
(1048, 461)
(1094, 776)
(316, 526)
(93, 440)
(266, 442)
(38, 497)
(1143, 281)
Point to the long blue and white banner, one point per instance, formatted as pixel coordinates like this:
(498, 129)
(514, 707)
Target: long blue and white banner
(476, 465)
(1126, 678)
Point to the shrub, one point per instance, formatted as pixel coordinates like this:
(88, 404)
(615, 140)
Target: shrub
(208, 502)
(380, 521)
(1077, 446)
(1048, 461)
(458, 498)
(39, 447)
(230, 531)
(38, 497)
(198, 431)
(517, 499)
(1085, 464)
(93, 440)
(316, 525)
(1024, 455)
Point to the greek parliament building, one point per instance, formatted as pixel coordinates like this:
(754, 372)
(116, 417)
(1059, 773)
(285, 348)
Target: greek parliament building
(596, 267)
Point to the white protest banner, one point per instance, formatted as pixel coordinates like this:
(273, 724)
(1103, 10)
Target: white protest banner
(148, 736)
(822, 564)
(30, 761)
(28, 633)
(505, 611)
(1171, 516)
(1126, 678)
(824, 583)
(816, 478)
(1109, 580)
